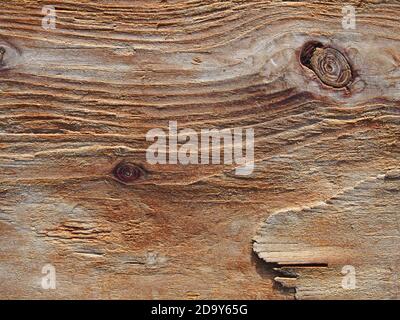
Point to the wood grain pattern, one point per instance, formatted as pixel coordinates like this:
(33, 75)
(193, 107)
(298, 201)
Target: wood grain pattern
(358, 227)
(78, 100)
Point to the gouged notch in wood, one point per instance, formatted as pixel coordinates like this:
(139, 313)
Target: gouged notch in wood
(362, 235)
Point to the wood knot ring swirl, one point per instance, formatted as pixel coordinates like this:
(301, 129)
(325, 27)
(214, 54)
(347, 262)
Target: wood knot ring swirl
(329, 64)
(126, 172)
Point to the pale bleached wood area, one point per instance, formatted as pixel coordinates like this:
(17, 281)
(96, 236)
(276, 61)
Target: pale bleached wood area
(76, 102)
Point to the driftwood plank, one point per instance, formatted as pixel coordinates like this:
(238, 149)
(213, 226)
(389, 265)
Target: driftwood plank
(77, 101)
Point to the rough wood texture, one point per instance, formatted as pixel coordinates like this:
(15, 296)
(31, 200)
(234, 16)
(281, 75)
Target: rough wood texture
(358, 227)
(78, 100)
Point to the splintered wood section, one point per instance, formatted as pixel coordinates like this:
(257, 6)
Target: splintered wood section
(77, 101)
(358, 227)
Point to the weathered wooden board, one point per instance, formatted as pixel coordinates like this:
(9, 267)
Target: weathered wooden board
(358, 227)
(78, 100)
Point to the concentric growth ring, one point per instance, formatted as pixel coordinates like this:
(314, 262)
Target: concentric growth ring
(329, 64)
(331, 67)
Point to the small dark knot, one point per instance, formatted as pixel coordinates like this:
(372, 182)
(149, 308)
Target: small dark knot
(329, 64)
(127, 172)
(2, 52)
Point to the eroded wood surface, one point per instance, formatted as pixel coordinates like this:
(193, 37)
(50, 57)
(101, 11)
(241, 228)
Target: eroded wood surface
(78, 100)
